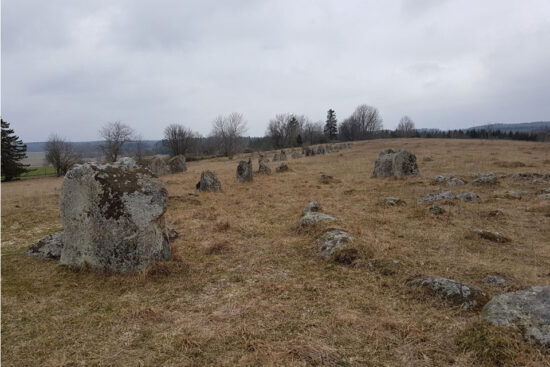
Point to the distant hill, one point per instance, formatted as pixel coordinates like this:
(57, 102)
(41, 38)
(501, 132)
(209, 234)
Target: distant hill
(524, 127)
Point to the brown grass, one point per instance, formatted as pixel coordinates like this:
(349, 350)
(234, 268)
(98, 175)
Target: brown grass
(245, 287)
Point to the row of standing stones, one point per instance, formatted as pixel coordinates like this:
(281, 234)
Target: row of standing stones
(113, 219)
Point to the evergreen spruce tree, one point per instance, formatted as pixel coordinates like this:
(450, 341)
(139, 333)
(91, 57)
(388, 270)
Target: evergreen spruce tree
(13, 151)
(331, 126)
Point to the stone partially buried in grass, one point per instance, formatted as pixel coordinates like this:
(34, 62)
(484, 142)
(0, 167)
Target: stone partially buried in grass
(48, 247)
(491, 235)
(113, 217)
(391, 201)
(527, 310)
(396, 163)
(330, 241)
(313, 218)
(465, 296)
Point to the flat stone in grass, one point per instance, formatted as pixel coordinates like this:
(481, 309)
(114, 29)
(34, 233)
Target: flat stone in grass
(448, 195)
(209, 182)
(330, 241)
(314, 206)
(435, 209)
(527, 310)
(494, 280)
(313, 218)
(465, 296)
(48, 247)
(491, 235)
(391, 201)
(449, 180)
(395, 163)
(487, 178)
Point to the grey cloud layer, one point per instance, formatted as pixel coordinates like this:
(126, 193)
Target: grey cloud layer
(70, 66)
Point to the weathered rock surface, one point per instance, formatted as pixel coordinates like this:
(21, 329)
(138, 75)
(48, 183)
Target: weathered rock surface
(177, 164)
(330, 241)
(312, 218)
(465, 296)
(385, 267)
(436, 209)
(494, 280)
(487, 178)
(263, 167)
(158, 166)
(48, 247)
(314, 206)
(448, 195)
(113, 216)
(491, 235)
(527, 310)
(391, 201)
(209, 182)
(244, 171)
(282, 168)
(449, 180)
(395, 163)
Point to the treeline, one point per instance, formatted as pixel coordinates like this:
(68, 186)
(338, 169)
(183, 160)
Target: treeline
(227, 138)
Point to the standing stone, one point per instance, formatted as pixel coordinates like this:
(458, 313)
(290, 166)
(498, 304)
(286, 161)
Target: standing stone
(177, 164)
(396, 163)
(158, 166)
(275, 157)
(209, 182)
(263, 167)
(282, 157)
(113, 216)
(244, 171)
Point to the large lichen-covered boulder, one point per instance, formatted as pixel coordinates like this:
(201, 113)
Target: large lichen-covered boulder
(244, 171)
(395, 163)
(177, 164)
(527, 310)
(209, 182)
(158, 166)
(113, 216)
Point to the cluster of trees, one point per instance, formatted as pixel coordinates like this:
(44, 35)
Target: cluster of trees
(227, 138)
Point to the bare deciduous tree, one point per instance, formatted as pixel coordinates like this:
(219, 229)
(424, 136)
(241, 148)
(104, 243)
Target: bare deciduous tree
(61, 155)
(115, 134)
(228, 131)
(405, 126)
(362, 124)
(178, 139)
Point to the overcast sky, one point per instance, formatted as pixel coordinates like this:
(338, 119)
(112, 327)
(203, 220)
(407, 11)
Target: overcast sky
(70, 66)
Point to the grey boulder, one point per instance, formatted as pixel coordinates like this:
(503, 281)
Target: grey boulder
(527, 310)
(331, 241)
(465, 296)
(209, 182)
(158, 166)
(395, 163)
(113, 216)
(48, 247)
(244, 171)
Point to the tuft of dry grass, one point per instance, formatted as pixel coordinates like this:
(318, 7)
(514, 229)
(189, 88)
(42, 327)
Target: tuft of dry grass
(245, 287)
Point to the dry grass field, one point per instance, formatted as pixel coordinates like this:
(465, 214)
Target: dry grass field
(245, 286)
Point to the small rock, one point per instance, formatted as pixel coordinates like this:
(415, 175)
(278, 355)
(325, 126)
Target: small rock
(488, 178)
(528, 310)
(330, 241)
(312, 218)
(468, 196)
(385, 267)
(282, 168)
(391, 201)
(491, 236)
(511, 195)
(437, 209)
(48, 247)
(437, 196)
(244, 171)
(209, 182)
(448, 180)
(495, 213)
(494, 279)
(314, 206)
(468, 297)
